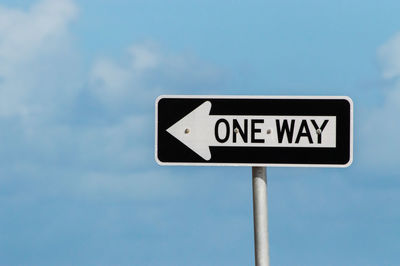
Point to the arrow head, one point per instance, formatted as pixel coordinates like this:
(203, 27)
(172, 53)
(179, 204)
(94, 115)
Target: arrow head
(195, 130)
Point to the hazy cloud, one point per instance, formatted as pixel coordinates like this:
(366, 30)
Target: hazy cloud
(94, 126)
(389, 57)
(36, 58)
(146, 73)
(380, 130)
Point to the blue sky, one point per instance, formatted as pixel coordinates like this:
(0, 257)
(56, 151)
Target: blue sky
(78, 180)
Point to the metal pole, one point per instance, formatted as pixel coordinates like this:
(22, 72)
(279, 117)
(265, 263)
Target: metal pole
(260, 212)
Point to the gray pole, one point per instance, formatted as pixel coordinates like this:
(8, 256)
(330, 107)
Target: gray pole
(260, 212)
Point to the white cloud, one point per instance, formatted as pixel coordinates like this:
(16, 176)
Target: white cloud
(143, 58)
(52, 125)
(380, 131)
(117, 85)
(389, 57)
(147, 73)
(25, 33)
(33, 45)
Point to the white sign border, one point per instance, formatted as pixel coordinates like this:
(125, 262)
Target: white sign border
(266, 97)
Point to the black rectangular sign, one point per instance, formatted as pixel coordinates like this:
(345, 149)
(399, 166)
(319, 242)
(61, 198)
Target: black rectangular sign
(254, 130)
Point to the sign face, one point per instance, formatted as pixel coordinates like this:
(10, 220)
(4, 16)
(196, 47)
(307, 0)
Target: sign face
(254, 130)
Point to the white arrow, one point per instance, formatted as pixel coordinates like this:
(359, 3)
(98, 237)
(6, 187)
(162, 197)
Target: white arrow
(199, 130)
(195, 130)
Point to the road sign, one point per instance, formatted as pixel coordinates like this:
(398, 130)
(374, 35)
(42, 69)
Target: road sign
(254, 130)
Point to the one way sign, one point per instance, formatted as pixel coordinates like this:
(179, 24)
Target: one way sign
(254, 130)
